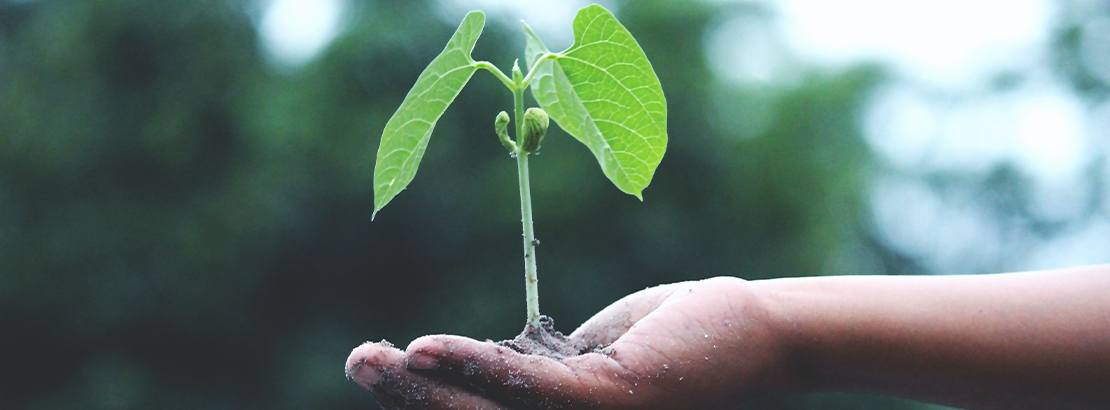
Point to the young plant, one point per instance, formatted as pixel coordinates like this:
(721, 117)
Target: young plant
(602, 90)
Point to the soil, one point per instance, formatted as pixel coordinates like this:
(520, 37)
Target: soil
(544, 341)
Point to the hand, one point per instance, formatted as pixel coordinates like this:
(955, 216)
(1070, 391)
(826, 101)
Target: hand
(703, 344)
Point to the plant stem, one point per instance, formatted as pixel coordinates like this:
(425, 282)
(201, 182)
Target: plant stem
(533, 69)
(486, 65)
(531, 282)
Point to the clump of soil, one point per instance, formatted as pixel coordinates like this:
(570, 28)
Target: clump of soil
(543, 341)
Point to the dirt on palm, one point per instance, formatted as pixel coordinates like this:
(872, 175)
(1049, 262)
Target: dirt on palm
(544, 341)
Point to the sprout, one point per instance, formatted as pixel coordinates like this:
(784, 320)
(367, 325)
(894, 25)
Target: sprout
(535, 126)
(502, 127)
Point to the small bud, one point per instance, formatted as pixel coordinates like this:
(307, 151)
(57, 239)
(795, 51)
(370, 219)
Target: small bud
(502, 127)
(518, 76)
(501, 124)
(535, 126)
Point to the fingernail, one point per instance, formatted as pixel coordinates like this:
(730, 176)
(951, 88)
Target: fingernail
(363, 374)
(421, 361)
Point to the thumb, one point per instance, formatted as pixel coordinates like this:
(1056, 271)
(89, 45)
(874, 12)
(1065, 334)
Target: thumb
(611, 323)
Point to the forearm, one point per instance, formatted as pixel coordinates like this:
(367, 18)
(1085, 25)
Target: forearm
(1028, 340)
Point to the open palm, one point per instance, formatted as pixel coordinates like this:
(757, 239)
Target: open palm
(705, 344)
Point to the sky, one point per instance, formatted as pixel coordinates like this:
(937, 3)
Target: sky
(938, 112)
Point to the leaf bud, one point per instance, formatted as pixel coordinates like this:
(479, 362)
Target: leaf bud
(518, 77)
(502, 127)
(535, 126)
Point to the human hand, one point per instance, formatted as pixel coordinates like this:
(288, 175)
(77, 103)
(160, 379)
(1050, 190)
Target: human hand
(704, 344)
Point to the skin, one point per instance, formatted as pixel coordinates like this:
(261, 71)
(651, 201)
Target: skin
(1006, 341)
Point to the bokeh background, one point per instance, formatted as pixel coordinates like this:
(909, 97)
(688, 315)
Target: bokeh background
(185, 186)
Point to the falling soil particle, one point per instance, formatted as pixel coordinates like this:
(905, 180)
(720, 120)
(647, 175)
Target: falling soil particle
(543, 341)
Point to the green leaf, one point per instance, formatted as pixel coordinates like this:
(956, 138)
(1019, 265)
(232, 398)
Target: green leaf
(603, 91)
(407, 132)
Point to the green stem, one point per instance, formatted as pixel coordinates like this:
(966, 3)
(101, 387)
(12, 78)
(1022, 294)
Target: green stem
(496, 73)
(531, 282)
(532, 70)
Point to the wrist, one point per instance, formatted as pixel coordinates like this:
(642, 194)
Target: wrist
(788, 306)
(770, 355)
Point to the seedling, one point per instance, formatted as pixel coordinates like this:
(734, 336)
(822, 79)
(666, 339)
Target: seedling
(602, 90)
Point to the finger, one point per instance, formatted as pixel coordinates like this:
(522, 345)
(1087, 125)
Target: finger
(519, 380)
(380, 368)
(611, 323)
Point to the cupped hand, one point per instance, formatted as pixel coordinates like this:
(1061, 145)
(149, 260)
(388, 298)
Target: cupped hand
(703, 344)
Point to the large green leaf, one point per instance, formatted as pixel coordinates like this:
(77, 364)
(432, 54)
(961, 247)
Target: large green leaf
(407, 132)
(603, 91)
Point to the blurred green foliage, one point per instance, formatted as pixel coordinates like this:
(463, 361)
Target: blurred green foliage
(183, 226)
